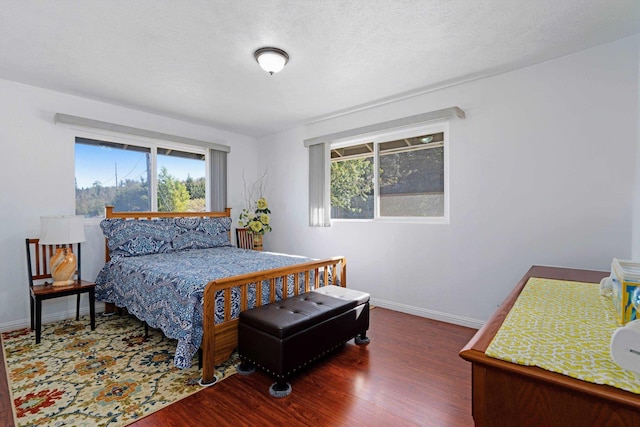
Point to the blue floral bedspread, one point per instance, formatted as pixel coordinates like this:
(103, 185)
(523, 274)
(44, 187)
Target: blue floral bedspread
(166, 289)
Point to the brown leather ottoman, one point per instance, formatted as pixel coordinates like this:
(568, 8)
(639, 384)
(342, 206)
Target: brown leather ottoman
(283, 337)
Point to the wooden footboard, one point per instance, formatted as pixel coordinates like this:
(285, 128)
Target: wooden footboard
(220, 339)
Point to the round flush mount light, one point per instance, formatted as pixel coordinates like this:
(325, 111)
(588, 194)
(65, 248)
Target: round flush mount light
(271, 59)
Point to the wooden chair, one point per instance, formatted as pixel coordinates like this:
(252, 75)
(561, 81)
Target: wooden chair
(244, 238)
(38, 257)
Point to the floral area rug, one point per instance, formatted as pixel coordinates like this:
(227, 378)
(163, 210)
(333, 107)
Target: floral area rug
(111, 376)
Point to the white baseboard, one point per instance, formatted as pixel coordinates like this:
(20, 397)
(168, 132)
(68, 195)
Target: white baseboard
(403, 308)
(49, 318)
(429, 314)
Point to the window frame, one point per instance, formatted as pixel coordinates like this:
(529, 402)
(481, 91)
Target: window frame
(152, 144)
(391, 135)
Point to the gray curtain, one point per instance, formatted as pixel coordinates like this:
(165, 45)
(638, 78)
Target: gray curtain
(319, 185)
(218, 184)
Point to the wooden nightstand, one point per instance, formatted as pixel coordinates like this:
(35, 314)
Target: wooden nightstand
(44, 292)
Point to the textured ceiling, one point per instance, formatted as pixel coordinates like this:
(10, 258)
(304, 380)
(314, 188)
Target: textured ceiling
(193, 60)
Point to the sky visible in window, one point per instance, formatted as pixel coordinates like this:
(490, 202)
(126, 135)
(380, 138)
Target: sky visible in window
(100, 164)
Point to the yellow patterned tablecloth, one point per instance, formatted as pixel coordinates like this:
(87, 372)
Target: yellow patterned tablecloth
(563, 327)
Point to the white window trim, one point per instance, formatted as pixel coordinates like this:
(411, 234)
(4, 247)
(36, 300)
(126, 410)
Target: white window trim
(153, 145)
(391, 135)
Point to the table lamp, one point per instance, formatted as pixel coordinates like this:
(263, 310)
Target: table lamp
(62, 230)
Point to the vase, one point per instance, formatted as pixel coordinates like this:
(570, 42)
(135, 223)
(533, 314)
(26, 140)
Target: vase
(63, 266)
(257, 242)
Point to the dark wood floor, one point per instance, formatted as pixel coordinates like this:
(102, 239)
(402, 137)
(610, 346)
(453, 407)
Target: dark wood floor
(410, 374)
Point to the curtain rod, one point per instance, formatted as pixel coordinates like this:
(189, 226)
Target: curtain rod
(81, 121)
(405, 121)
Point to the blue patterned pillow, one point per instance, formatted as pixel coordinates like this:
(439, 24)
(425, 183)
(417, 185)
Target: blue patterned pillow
(201, 233)
(138, 237)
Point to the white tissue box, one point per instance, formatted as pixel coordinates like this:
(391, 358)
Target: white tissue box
(625, 347)
(625, 276)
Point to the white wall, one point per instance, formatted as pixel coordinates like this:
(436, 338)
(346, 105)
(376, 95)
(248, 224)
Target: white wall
(37, 178)
(542, 172)
(635, 251)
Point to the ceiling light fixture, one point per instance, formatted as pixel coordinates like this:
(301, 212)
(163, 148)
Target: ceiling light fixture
(271, 59)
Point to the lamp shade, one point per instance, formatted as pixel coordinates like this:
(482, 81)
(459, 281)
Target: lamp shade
(271, 59)
(61, 229)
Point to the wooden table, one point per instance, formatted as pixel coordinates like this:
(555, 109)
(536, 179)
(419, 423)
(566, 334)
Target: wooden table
(507, 395)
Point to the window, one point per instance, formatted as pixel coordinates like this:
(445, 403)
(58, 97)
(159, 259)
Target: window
(392, 175)
(138, 178)
(181, 181)
(352, 182)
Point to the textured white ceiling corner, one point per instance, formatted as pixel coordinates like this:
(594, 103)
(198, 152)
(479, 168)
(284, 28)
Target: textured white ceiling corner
(193, 60)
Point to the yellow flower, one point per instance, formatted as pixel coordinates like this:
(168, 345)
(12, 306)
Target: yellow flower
(258, 220)
(262, 203)
(255, 226)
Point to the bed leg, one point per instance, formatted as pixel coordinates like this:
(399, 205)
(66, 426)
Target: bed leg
(204, 383)
(109, 309)
(208, 372)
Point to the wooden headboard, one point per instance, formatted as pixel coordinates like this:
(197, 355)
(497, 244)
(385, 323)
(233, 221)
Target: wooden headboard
(109, 213)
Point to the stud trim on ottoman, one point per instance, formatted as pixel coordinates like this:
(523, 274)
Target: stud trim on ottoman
(283, 337)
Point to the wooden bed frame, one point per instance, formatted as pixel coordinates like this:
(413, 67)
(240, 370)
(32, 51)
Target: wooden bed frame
(219, 340)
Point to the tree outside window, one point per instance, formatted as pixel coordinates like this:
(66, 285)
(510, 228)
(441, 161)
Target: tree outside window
(410, 178)
(119, 175)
